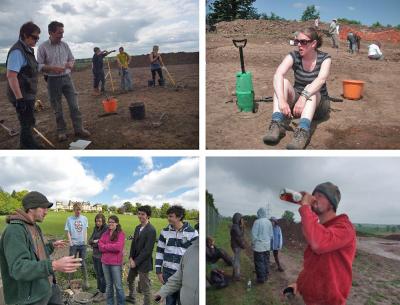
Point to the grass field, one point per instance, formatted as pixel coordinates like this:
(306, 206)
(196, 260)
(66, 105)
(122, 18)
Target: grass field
(53, 227)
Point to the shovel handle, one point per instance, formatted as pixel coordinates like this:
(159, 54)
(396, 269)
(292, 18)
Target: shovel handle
(241, 43)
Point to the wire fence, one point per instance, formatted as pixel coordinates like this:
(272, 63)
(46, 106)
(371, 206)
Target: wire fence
(213, 219)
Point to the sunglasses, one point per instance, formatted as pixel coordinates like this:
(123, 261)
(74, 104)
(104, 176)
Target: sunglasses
(36, 38)
(302, 42)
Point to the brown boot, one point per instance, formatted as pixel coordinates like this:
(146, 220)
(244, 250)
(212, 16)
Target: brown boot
(275, 132)
(82, 133)
(300, 139)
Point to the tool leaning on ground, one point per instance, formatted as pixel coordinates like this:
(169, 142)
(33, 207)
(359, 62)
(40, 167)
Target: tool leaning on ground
(43, 137)
(244, 82)
(11, 132)
(171, 80)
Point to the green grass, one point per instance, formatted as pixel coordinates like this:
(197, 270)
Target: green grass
(54, 224)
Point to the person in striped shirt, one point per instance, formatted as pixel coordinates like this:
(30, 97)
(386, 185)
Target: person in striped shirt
(172, 244)
(308, 98)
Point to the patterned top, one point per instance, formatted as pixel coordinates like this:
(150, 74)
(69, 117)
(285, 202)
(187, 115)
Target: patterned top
(302, 77)
(172, 245)
(54, 54)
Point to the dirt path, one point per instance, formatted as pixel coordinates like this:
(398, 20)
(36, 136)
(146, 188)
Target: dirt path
(382, 247)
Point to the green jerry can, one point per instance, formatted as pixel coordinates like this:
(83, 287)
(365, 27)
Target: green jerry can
(244, 83)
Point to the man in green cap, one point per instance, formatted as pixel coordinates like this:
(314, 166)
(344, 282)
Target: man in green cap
(326, 277)
(26, 268)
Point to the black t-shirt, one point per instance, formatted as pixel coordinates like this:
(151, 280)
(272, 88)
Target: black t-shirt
(98, 62)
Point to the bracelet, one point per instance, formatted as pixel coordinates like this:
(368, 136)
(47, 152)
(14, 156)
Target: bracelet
(306, 94)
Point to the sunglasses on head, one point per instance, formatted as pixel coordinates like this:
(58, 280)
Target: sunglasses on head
(302, 42)
(36, 38)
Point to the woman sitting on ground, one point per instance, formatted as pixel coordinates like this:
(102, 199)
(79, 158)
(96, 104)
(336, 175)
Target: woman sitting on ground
(155, 66)
(308, 98)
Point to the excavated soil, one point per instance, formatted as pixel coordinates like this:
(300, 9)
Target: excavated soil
(369, 123)
(179, 128)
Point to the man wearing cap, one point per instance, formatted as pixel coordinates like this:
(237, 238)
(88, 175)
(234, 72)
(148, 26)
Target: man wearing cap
(326, 277)
(26, 268)
(333, 32)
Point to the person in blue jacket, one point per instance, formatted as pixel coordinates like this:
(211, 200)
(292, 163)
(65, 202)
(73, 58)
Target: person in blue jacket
(276, 242)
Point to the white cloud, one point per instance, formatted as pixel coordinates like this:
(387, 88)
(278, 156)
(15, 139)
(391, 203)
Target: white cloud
(145, 166)
(135, 24)
(115, 197)
(182, 174)
(59, 177)
(188, 199)
(299, 5)
(351, 8)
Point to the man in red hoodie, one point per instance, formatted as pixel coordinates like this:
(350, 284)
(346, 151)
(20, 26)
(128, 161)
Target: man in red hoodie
(326, 277)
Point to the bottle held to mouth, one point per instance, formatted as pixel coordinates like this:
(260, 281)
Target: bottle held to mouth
(290, 195)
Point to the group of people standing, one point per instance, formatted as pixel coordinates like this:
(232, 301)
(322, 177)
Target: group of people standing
(55, 60)
(25, 256)
(266, 236)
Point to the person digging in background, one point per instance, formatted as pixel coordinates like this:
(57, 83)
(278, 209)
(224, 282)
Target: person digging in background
(155, 66)
(140, 257)
(22, 76)
(237, 243)
(98, 230)
(111, 245)
(308, 99)
(172, 244)
(98, 71)
(276, 242)
(351, 38)
(27, 271)
(213, 253)
(374, 51)
(76, 229)
(261, 236)
(326, 277)
(123, 60)
(56, 61)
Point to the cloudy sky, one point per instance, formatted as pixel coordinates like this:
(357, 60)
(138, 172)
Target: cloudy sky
(369, 186)
(108, 24)
(107, 180)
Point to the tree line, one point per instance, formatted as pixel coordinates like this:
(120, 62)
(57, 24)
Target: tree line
(9, 202)
(229, 10)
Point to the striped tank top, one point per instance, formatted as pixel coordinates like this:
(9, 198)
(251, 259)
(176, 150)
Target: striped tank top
(301, 77)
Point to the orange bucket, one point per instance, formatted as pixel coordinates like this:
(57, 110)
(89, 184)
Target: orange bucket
(110, 105)
(353, 89)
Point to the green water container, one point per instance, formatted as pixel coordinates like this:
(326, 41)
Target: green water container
(245, 91)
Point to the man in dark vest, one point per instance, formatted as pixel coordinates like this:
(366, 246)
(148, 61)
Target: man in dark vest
(140, 257)
(22, 76)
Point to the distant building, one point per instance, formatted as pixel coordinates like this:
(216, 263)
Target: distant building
(86, 207)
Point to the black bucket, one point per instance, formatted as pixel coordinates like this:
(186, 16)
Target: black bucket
(137, 110)
(150, 83)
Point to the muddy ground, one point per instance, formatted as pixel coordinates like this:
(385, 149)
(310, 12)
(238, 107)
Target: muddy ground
(179, 128)
(376, 273)
(369, 123)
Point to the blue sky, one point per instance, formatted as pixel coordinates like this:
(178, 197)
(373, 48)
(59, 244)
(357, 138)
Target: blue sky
(368, 12)
(107, 180)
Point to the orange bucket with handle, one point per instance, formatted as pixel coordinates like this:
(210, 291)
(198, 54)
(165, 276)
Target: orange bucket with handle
(353, 89)
(110, 105)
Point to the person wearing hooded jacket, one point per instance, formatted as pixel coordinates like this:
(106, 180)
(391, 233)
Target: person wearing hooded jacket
(237, 243)
(261, 235)
(326, 277)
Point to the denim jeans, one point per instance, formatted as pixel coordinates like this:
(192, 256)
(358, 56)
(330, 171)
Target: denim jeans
(126, 82)
(98, 269)
(261, 264)
(172, 299)
(81, 251)
(63, 85)
(113, 276)
(236, 263)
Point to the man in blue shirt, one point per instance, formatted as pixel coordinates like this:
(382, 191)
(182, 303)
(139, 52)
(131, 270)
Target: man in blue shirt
(22, 76)
(76, 227)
